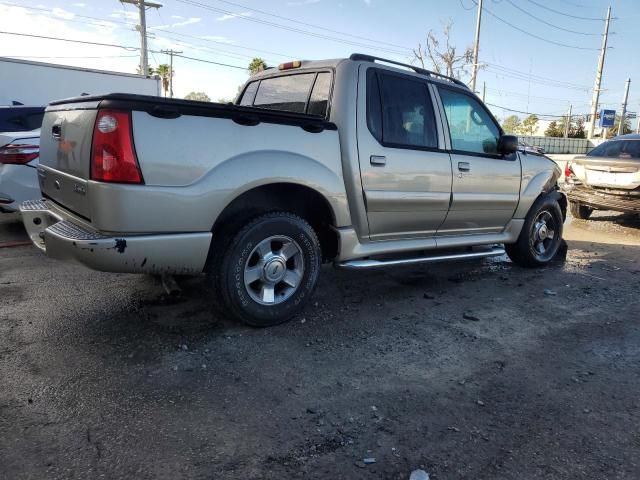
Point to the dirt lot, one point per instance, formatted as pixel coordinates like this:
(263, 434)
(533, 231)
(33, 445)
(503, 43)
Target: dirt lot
(104, 377)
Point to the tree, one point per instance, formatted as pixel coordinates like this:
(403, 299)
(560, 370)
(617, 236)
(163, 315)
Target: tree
(626, 128)
(511, 124)
(257, 65)
(578, 130)
(553, 130)
(441, 55)
(150, 73)
(529, 125)
(164, 72)
(199, 96)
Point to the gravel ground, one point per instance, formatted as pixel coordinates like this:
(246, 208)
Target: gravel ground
(478, 370)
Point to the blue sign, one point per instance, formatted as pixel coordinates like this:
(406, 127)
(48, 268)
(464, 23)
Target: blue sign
(607, 118)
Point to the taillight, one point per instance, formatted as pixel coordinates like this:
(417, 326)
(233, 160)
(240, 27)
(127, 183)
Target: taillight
(567, 170)
(19, 154)
(113, 156)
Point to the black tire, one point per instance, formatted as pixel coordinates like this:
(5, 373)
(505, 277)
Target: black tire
(526, 252)
(261, 304)
(581, 212)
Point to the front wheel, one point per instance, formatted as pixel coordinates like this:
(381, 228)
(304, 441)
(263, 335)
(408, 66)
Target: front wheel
(541, 235)
(270, 269)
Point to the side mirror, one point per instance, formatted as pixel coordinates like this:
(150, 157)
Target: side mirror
(507, 144)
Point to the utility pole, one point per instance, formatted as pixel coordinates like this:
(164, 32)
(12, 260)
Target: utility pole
(142, 6)
(598, 82)
(484, 90)
(623, 109)
(568, 123)
(171, 53)
(476, 48)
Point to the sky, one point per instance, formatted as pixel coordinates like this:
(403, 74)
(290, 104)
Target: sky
(535, 55)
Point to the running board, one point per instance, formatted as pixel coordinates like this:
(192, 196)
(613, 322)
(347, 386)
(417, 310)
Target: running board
(362, 264)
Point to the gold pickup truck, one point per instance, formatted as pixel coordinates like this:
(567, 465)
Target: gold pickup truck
(361, 161)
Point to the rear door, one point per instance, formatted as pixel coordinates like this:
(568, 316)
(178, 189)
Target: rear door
(405, 171)
(486, 185)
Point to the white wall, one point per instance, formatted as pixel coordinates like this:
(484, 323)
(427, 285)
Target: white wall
(35, 83)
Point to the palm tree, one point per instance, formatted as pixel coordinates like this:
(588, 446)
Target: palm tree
(257, 65)
(164, 72)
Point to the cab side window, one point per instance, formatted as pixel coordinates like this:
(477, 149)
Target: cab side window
(249, 94)
(399, 111)
(471, 127)
(319, 100)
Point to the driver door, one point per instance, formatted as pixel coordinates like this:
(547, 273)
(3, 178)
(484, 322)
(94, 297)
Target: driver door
(486, 184)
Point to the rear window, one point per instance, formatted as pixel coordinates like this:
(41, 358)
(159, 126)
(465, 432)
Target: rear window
(624, 149)
(300, 93)
(288, 93)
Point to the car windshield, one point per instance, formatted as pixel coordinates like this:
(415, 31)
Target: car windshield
(617, 149)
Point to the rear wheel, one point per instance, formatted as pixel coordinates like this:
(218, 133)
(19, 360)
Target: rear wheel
(270, 269)
(579, 211)
(541, 235)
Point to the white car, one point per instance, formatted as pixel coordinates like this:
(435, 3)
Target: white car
(19, 155)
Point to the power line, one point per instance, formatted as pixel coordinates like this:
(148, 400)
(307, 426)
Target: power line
(117, 46)
(549, 23)
(312, 25)
(506, 72)
(230, 45)
(532, 34)
(103, 22)
(565, 14)
(209, 61)
(528, 113)
(291, 29)
(82, 57)
(85, 42)
(524, 95)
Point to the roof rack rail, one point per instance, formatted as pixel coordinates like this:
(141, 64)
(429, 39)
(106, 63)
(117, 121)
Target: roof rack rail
(371, 58)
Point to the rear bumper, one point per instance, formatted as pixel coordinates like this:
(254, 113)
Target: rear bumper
(628, 203)
(59, 237)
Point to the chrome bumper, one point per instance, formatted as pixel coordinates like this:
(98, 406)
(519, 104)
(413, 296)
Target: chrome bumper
(59, 237)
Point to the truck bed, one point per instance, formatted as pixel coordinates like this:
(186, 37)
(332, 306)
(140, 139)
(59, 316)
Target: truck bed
(194, 158)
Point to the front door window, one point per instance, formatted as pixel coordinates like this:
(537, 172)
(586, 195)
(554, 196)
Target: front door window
(471, 127)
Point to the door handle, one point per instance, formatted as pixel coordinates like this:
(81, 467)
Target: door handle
(56, 131)
(378, 160)
(464, 166)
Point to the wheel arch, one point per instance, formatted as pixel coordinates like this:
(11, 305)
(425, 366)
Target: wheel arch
(543, 183)
(296, 198)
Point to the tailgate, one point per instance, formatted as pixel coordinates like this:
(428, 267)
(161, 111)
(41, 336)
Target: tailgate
(65, 155)
(608, 172)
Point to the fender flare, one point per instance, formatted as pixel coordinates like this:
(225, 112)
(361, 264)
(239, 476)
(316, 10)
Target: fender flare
(249, 171)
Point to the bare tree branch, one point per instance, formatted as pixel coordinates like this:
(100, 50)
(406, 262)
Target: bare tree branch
(442, 55)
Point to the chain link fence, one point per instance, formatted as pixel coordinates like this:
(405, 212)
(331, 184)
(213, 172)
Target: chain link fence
(560, 145)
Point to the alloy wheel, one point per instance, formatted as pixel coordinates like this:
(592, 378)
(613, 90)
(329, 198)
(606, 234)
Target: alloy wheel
(274, 270)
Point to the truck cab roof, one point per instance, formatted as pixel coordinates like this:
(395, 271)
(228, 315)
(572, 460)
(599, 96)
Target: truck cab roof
(356, 57)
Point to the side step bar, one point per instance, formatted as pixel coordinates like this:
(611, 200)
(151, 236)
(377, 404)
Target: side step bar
(375, 263)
